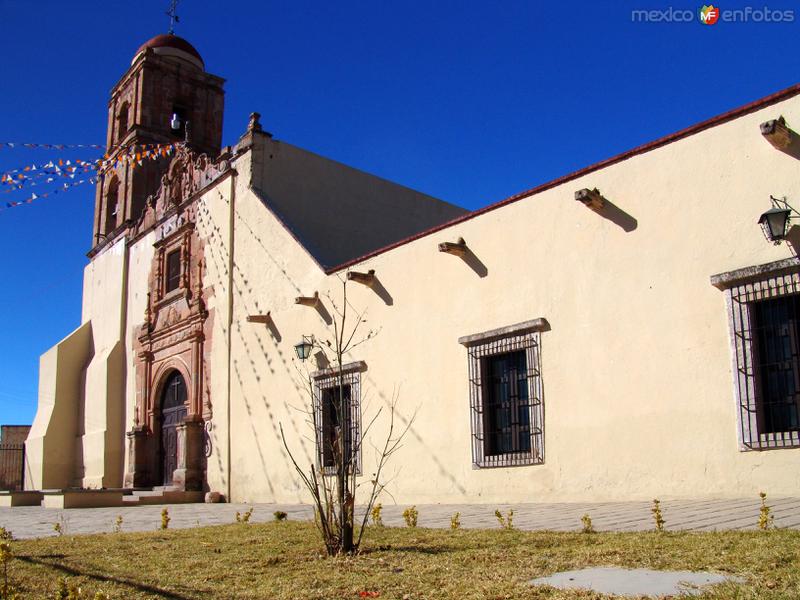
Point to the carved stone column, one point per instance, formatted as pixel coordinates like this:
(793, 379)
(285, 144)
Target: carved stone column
(139, 472)
(189, 474)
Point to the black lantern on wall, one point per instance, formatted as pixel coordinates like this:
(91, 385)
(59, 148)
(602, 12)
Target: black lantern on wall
(775, 222)
(303, 349)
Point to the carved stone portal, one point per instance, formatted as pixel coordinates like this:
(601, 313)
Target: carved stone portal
(175, 337)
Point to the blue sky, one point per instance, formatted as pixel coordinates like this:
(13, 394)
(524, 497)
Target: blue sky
(467, 101)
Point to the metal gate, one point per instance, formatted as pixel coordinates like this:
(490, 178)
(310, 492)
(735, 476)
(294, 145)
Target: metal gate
(12, 466)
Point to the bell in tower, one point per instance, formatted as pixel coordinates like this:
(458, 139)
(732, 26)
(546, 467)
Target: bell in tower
(165, 97)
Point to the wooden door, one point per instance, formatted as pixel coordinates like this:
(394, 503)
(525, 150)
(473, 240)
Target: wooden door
(173, 413)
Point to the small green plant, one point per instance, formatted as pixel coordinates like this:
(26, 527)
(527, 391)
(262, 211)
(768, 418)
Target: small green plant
(377, 519)
(587, 526)
(165, 518)
(67, 590)
(62, 592)
(506, 522)
(244, 518)
(60, 526)
(70, 591)
(6, 535)
(657, 516)
(455, 521)
(118, 524)
(766, 519)
(410, 516)
(279, 515)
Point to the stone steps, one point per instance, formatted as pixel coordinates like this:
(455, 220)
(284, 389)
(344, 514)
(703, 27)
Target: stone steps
(161, 496)
(76, 498)
(20, 498)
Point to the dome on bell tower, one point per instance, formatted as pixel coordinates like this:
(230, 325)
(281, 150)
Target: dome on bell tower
(166, 98)
(168, 45)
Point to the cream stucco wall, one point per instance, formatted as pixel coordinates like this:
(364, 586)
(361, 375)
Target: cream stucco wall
(79, 430)
(636, 368)
(140, 262)
(213, 227)
(50, 446)
(101, 414)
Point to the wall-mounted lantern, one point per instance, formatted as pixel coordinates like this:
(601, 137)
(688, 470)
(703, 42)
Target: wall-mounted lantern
(303, 349)
(775, 221)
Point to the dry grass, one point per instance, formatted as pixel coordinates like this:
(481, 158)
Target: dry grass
(285, 560)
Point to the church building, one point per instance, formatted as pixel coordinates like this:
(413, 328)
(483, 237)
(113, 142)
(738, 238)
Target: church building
(624, 332)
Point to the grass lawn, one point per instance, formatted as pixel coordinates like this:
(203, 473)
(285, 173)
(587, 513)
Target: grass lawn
(284, 560)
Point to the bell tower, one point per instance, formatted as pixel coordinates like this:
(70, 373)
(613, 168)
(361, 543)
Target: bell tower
(166, 96)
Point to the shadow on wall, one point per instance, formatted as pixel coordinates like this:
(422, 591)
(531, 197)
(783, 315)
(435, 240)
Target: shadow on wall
(408, 422)
(252, 342)
(618, 216)
(382, 292)
(475, 263)
(793, 238)
(324, 314)
(273, 330)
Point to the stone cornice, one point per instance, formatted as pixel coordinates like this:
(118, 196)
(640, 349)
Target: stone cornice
(474, 339)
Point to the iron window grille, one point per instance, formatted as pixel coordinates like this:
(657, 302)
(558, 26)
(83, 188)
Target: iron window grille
(765, 321)
(328, 423)
(506, 402)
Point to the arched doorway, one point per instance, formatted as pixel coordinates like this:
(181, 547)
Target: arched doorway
(173, 413)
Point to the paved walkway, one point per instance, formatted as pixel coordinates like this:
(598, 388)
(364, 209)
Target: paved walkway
(697, 515)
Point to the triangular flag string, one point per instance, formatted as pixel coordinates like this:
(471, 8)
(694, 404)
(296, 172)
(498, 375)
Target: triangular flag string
(65, 187)
(56, 170)
(60, 166)
(32, 146)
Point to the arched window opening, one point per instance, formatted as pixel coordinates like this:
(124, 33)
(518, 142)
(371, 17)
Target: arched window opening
(112, 205)
(178, 119)
(122, 121)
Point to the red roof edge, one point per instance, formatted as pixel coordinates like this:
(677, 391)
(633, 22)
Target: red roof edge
(662, 141)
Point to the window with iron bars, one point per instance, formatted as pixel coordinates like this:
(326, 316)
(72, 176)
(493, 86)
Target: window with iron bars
(330, 424)
(506, 407)
(765, 321)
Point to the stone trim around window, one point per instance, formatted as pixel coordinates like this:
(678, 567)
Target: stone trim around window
(737, 277)
(358, 365)
(522, 337)
(485, 337)
(177, 240)
(743, 288)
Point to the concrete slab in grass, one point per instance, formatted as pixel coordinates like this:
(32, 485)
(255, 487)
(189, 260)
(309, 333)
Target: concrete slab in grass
(634, 582)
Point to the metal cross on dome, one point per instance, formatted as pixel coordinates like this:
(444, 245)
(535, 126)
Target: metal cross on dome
(173, 16)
